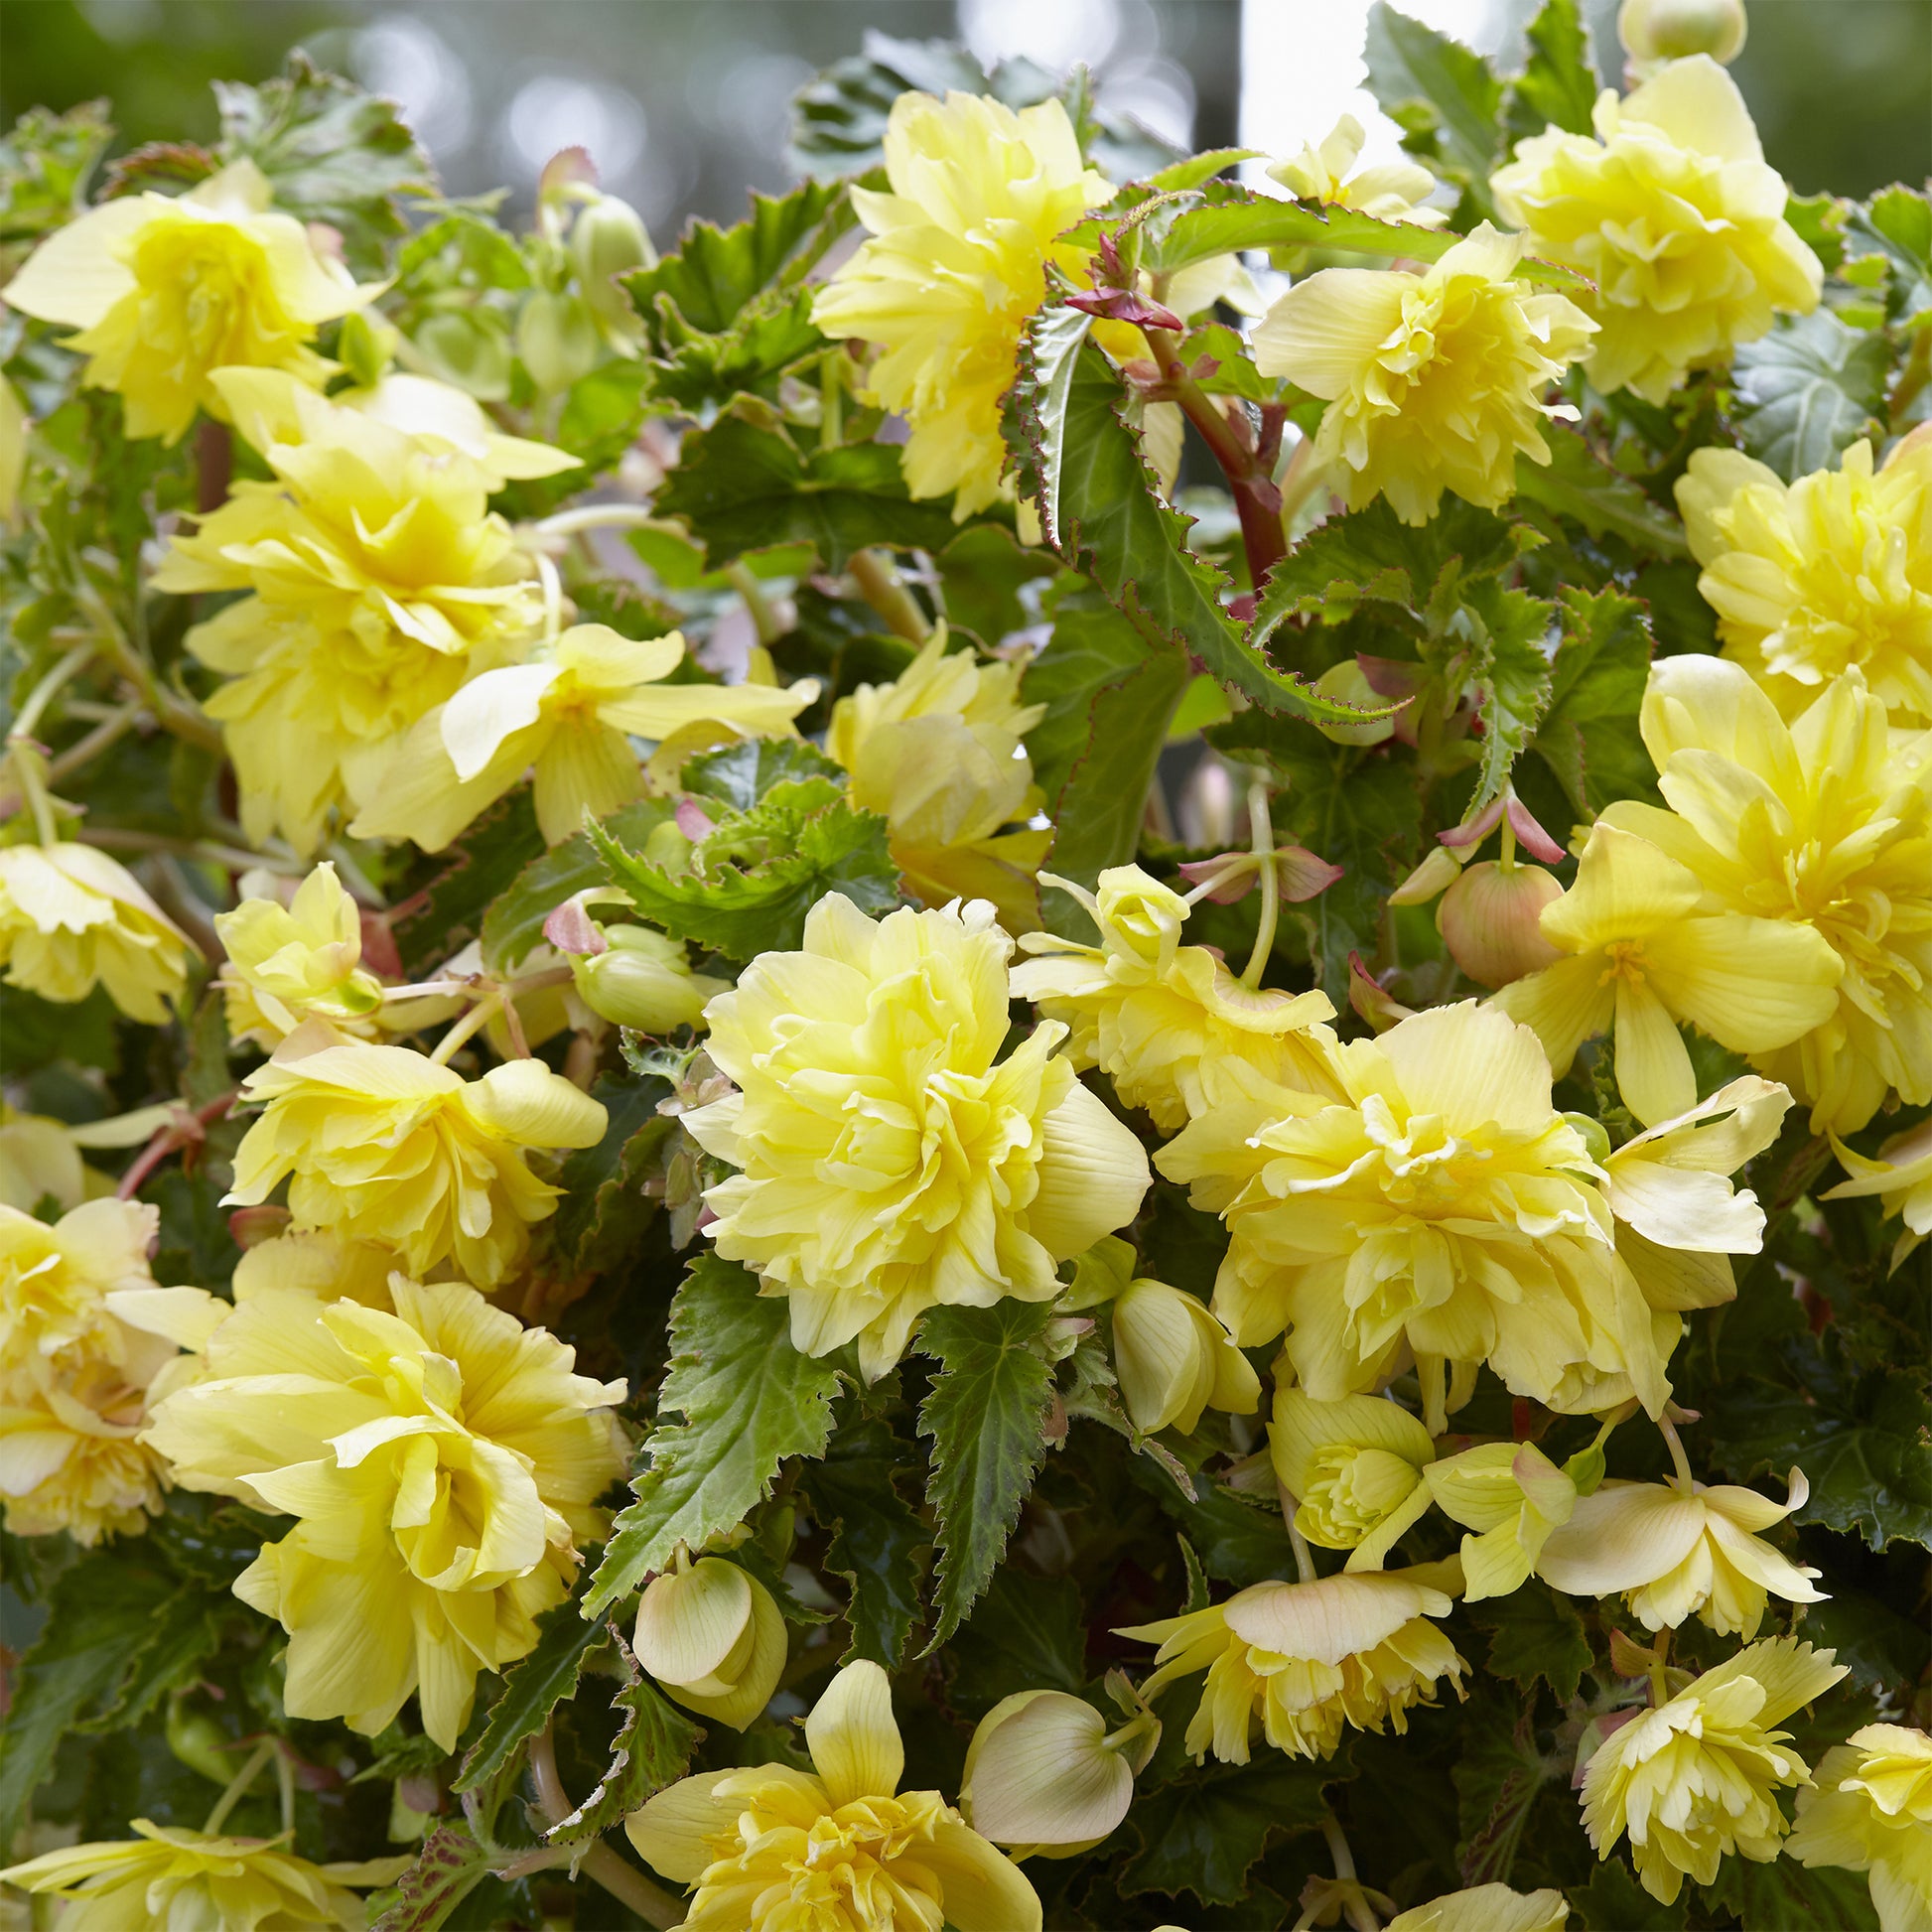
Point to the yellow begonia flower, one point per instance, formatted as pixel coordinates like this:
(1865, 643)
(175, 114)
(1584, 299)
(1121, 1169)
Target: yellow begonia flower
(39, 1160)
(713, 1637)
(1824, 822)
(386, 1145)
(1043, 1776)
(172, 1879)
(1487, 1908)
(1434, 381)
(72, 919)
(1303, 1660)
(167, 290)
(1812, 578)
(1431, 1199)
(381, 582)
(887, 1164)
(1176, 1360)
(1870, 1810)
(441, 1461)
(1675, 215)
(1673, 1549)
(1355, 1467)
(1391, 191)
(296, 963)
(433, 413)
(1515, 1497)
(1649, 945)
(955, 265)
(54, 1281)
(1679, 1219)
(1698, 1777)
(839, 1847)
(571, 715)
(1162, 1021)
(1901, 1178)
(937, 754)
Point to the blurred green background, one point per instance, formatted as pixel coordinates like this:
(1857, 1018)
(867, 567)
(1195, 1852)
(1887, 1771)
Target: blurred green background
(683, 102)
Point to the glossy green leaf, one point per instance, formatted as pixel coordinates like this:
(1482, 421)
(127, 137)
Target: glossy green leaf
(1806, 390)
(653, 1750)
(533, 1687)
(875, 1536)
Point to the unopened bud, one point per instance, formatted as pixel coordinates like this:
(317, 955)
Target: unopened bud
(1174, 1358)
(714, 1639)
(556, 340)
(610, 239)
(1348, 683)
(249, 1227)
(1654, 31)
(642, 980)
(365, 346)
(1489, 920)
(1372, 1001)
(1437, 874)
(1042, 1774)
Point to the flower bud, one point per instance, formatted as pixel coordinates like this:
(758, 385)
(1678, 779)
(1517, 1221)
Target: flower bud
(610, 239)
(1174, 1358)
(1668, 30)
(1356, 1468)
(556, 338)
(1439, 870)
(1349, 682)
(642, 980)
(1515, 1496)
(365, 346)
(1491, 921)
(714, 1639)
(469, 348)
(1041, 1774)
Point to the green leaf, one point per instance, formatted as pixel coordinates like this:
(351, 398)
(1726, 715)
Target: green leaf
(1588, 735)
(514, 924)
(1559, 85)
(331, 152)
(1204, 1832)
(1577, 482)
(653, 1750)
(1499, 1778)
(839, 119)
(739, 488)
(605, 1210)
(796, 856)
(450, 1867)
(741, 775)
(1054, 338)
(1027, 1634)
(483, 866)
(1897, 224)
(876, 1536)
(44, 163)
(105, 1614)
(1240, 1540)
(748, 1399)
(1534, 1633)
(1613, 1901)
(1444, 96)
(1503, 631)
(1807, 389)
(986, 1413)
(533, 1687)
(1786, 1896)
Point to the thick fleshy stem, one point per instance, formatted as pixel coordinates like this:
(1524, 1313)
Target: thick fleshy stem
(472, 1021)
(238, 1786)
(880, 584)
(1680, 1462)
(1305, 1570)
(763, 613)
(628, 1885)
(186, 1130)
(1261, 841)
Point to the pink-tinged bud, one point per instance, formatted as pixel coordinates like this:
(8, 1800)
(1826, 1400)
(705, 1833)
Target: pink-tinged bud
(380, 953)
(1124, 305)
(1522, 824)
(249, 1227)
(692, 820)
(571, 929)
(1372, 1002)
(1231, 875)
(1302, 875)
(1490, 920)
(1396, 678)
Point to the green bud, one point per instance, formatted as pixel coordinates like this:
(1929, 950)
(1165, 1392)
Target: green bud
(610, 239)
(199, 1743)
(556, 340)
(1671, 30)
(365, 346)
(1347, 682)
(644, 981)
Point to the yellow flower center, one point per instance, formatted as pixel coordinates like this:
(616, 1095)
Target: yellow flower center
(1622, 960)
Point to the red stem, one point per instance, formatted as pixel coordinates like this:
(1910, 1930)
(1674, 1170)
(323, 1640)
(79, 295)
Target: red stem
(168, 1140)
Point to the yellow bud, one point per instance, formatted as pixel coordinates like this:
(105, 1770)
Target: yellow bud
(713, 1637)
(1349, 682)
(1490, 922)
(556, 340)
(1437, 873)
(1041, 1773)
(1174, 1358)
(1670, 30)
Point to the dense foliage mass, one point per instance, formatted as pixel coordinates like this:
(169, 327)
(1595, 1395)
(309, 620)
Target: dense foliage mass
(1048, 1046)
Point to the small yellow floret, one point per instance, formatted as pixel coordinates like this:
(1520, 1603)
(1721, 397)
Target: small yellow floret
(1675, 215)
(295, 963)
(1901, 1178)
(1394, 191)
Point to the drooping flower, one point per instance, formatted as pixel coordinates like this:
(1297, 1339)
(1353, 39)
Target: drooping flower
(1434, 381)
(1514, 1498)
(1045, 1775)
(1869, 1809)
(1303, 1660)
(1810, 578)
(380, 580)
(955, 264)
(1697, 1777)
(1162, 1021)
(1677, 1548)
(1487, 1908)
(1392, 191)
(1647, 945)
(295, 963)
(886, 1164)
(72, 919)
(172, 1879)
(441, 1463)
(713, 1637)
(937, 754)
(1431, 1202)
(384, 1145)
(1823, 822)
(166, 290)
(1675, 215)
(1355, 1467)
(838, 1849)
(570, 714)
(1901, 1178)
